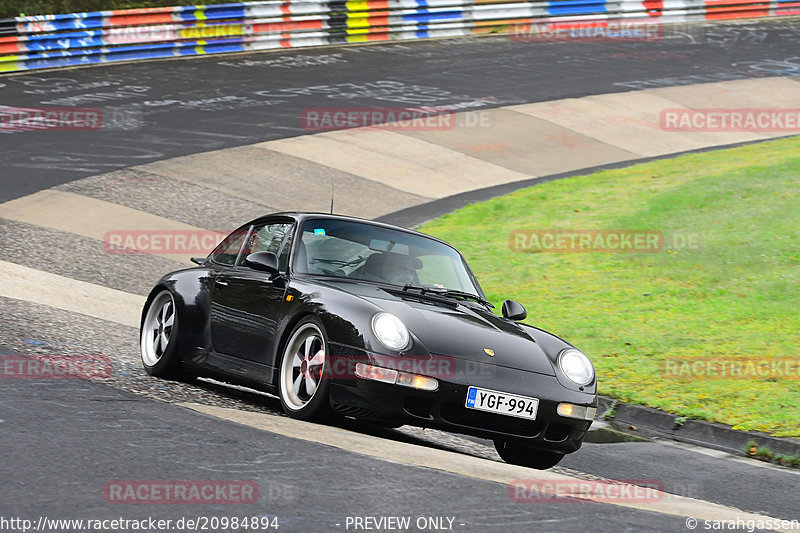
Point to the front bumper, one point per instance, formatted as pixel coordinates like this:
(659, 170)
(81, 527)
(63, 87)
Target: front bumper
(444, 408)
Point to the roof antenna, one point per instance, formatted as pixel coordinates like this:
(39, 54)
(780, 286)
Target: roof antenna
(331, 195)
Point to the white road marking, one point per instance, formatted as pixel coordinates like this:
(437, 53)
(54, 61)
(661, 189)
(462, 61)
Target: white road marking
(399, 161)
(31, 285)
(97, 219)
(465, 465)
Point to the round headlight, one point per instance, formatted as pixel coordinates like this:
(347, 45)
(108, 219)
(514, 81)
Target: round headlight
(390, 331)
(576, 366)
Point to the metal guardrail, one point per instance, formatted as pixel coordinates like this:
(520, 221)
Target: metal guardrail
(46, 41)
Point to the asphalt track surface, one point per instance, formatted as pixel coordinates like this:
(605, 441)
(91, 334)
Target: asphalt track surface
(63, 440)
(162, 109)
(303, 484)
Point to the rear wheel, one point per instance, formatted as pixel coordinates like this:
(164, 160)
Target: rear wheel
(159, 338)
(302, 381)
(518, 453)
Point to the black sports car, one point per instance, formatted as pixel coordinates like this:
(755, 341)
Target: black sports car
(338, 315)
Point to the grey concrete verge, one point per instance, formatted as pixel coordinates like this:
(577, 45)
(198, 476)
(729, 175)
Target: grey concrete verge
(651, 422)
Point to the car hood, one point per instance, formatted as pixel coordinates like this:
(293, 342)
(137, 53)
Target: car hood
(457, 330)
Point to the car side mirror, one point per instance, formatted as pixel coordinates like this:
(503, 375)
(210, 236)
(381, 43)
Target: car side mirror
(514, 310)
(263, 261)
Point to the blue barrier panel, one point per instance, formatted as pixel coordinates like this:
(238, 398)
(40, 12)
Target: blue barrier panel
(575, 7)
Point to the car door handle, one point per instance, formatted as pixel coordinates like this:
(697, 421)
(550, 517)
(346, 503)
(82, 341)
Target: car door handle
(220, 283)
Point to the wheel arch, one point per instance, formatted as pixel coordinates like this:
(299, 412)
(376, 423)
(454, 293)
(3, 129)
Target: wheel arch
(155, 291)
(285, 333)
(190, 293)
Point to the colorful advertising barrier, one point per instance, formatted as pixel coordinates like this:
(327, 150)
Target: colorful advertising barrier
(46, 41)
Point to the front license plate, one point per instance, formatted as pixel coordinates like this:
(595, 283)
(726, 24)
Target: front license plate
(502, 403)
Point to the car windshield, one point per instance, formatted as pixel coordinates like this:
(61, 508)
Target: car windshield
(361, 251)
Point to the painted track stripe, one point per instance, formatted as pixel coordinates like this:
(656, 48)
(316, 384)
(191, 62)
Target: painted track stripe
(82, 215)
(397, 160)
(454, 463)
(773, 92)
(631, 120)
(37, 286)
(257, 174)
(633, 126)
(524, 143)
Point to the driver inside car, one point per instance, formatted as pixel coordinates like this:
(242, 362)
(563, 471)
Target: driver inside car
(397, 269)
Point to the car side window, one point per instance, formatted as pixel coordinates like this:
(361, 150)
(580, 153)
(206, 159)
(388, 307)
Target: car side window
(270, 238)
(283, 257)
(228, 250)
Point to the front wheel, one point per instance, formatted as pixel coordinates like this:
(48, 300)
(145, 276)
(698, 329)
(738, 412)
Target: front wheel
(159, 338)
(521, 454)
(302, 381)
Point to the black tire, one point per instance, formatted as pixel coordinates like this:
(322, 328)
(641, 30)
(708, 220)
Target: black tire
(158, 339)
(521, 454)
(303, 377)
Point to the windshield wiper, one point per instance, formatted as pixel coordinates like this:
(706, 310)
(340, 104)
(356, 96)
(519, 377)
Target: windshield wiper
(338, 262)
(462, 294)
(423, 290)
(448, 292)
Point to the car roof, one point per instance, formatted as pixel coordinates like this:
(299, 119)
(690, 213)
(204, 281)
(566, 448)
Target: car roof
(302, 216)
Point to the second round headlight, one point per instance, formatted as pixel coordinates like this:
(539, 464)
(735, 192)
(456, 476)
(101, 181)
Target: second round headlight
(576, 366)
